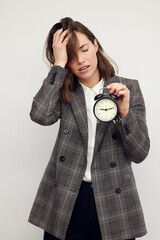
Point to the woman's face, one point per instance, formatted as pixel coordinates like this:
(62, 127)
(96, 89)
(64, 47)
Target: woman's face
(84, 66)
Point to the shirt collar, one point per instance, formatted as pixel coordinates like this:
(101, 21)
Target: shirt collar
(95, 89)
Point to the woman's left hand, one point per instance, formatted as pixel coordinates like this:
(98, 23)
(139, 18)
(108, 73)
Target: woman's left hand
(123, 93)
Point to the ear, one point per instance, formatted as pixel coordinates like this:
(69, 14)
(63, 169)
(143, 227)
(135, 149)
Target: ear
(96, 44)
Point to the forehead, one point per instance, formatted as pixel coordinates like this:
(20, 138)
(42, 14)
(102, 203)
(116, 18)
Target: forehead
(82, 39)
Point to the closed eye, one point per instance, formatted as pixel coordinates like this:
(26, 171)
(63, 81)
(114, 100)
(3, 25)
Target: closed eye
(85, 50)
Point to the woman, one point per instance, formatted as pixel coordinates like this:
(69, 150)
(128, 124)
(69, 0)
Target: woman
(88, 189)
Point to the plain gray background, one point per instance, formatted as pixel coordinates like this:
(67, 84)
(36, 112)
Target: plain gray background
(130, 34)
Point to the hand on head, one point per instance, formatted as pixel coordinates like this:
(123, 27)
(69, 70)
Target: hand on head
(59, 45)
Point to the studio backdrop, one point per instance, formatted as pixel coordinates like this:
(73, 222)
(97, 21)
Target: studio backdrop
(129, 32)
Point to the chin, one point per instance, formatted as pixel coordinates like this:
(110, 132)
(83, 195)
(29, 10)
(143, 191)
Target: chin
(85, 77)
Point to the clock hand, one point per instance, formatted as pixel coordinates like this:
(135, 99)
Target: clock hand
(106, 109)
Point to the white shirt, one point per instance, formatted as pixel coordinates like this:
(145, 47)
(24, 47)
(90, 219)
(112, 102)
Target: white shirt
(90, 93)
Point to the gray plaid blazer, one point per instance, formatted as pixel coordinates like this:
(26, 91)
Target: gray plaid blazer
(117, 145)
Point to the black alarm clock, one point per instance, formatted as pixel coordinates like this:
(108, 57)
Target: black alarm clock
(105, 108)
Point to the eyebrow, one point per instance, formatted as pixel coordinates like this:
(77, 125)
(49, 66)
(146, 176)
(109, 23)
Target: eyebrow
(83, 45)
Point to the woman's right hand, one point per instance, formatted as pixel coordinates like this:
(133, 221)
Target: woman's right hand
(59, 44)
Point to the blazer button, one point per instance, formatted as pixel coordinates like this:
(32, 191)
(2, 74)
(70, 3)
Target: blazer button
(113, 164)
(118, 190)
(62, 158)
(115, 136)
(66, 130)
(127, 129)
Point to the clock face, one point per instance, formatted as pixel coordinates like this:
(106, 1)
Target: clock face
(105, 109)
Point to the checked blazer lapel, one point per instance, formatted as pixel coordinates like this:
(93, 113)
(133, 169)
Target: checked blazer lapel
(102, 126)
(78, 106)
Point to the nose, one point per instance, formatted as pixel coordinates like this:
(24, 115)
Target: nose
(80, 58)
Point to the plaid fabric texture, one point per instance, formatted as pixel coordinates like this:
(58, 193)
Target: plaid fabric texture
(117, 145)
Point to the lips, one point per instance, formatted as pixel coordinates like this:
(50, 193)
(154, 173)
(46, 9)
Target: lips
(83, 68)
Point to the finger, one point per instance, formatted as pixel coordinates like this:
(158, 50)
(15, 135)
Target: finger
(122, 93)
(114, 89)
(60, 37)
(59, 33)
(119, 88)
(113, 85)
(56, 36)
(65, 41)
(63, 35)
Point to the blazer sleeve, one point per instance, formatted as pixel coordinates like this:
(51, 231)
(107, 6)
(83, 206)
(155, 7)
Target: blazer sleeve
(46, 106)
(133, 128)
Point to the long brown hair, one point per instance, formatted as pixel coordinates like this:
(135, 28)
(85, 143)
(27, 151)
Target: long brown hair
(105, 67)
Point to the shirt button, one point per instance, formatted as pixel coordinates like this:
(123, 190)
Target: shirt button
(66, 130)
(118, 190)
